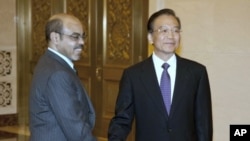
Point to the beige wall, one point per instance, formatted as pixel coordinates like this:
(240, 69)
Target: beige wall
(216, 34)
(8, 76)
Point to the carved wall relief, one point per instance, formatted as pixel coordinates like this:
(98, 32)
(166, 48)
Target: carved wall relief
(5, 63)
(7, 81)
(119, 32)
(41, 11)
(5, 86)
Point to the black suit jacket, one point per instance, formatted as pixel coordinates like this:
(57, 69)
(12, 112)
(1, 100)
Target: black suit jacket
(139, 96)
(60, 109)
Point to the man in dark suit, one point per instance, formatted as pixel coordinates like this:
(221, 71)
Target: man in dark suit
(60, 109)
(189, 113)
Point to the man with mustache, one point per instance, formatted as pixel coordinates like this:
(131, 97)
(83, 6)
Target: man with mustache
(60, 109)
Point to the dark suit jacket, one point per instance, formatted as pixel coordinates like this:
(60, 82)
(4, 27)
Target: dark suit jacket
(139, 96)
(60, 109)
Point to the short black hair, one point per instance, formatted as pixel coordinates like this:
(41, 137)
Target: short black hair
(54, 25)
(155, 15)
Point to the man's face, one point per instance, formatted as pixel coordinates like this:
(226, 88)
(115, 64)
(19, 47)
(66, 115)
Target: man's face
(165, 36)
(72, 41)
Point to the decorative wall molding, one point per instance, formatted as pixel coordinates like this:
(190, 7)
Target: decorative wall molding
(41, 11)
(119, 36)
(8, 83)
(5, 63)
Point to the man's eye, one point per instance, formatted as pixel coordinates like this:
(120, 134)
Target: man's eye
(75, 37)
(164, 30)
(176, 30)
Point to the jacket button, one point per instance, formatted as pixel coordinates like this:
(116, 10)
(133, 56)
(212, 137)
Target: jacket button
(170, 130)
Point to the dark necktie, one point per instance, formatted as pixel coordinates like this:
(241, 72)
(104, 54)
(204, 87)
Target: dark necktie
(165, 86)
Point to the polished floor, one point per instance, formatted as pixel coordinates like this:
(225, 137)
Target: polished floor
(14, 133)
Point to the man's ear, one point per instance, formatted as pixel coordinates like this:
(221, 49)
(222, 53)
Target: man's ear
(54, 37)
(150, 39)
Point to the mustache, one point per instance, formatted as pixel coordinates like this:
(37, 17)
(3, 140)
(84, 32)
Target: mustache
(79, 47)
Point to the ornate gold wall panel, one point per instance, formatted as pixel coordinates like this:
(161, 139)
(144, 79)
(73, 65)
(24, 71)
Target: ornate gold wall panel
(41, 11)
(119, 24)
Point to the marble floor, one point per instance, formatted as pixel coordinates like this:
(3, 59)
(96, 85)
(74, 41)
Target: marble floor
(14, 133)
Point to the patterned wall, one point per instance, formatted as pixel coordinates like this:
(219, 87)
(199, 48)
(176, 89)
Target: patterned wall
(5, 85)
(7, 81)
(41, 11)
(8, 69)
(119, 32)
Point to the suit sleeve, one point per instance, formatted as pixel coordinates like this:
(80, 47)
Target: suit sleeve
(121, 123)
(68, 110)
(203, 114)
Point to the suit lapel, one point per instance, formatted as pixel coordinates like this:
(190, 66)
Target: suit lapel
(149, 80)
(181, 71)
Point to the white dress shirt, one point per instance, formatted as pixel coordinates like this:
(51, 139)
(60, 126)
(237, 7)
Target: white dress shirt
(171, 70)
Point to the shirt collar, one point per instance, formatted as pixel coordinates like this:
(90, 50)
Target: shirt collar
(63, 57)
(158, 61)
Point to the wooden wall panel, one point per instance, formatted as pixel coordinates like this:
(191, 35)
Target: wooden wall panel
(41, 11)
(119, 36)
